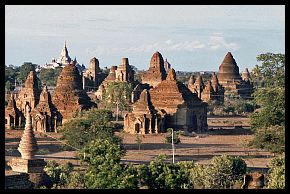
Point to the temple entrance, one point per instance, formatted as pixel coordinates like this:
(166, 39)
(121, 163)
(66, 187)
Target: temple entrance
(194, 122)
(137, 127)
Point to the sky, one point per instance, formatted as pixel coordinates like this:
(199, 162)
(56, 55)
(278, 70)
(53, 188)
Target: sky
(191, 37)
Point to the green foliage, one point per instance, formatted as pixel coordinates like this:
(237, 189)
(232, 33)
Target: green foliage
(271, 99)
(58, 173)
(49, 76)
(276, 177)
(223, 172)
(24, 70)
(43, 151)
(161, 175)
(239, 106)
(104, 169)
(10, 75)
(168, 137)
(8, 86)
(272, 70)
(88, 125)
(118, 92)
(272, 111)
(138, 140)
(75, 181)
(271, 139)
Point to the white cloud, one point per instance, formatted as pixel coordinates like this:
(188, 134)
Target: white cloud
(144, 48)
(185, 45)
(217, 41)
(168, 42)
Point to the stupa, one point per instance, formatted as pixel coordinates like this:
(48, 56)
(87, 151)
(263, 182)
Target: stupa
(69, 96)
(27, 147)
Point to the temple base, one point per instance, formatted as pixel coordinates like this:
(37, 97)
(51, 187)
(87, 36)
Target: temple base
(27, 165)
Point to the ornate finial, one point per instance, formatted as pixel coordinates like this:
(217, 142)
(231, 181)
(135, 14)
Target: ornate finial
(65, 44)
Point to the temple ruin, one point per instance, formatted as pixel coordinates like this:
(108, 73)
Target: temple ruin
(230, 78)
(45, 117)
(181, 109)
(93, 76)
(212, 91)
(144, 119)
(69, 96)
(156, 72)
(48, 113)
(122, 73)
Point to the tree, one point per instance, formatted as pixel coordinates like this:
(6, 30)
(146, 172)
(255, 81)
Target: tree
(118, 94)
(168, 137)
(58, 173)
(161, 175)
(88, 125)
(276, 177)
(24, 70)
(222, 172)
(10, 77)
(104, 170)
(272, 70)
(271, 139)
(272, 111)
(268, 122)
(8, 86)
(138, 140)
(48, 77)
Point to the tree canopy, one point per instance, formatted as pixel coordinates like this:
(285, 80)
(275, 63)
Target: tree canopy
(268, 122)
(118, 92)
(88, 125)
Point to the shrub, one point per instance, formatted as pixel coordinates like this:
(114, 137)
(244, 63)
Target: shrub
(223, 172)
(271, 139)
(276, 178)
(168, 137)
(161, 175)
(87, 126)
(58, 173)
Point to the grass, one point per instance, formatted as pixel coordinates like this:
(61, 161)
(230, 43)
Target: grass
(43, 151)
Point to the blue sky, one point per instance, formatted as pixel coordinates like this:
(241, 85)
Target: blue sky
(191, 37)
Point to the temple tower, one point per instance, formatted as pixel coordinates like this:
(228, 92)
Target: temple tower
(69, 95)
(156, 72)
(228, 70)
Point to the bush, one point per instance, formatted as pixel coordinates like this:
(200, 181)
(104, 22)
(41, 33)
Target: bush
(276, 178)
(104, 168)
(271, 139)
(75, 181)
(168, 137)
(161, 175)
(58, 173)
(87, 126)
(223, 172)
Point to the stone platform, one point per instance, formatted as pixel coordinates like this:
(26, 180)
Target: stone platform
(27, 166)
